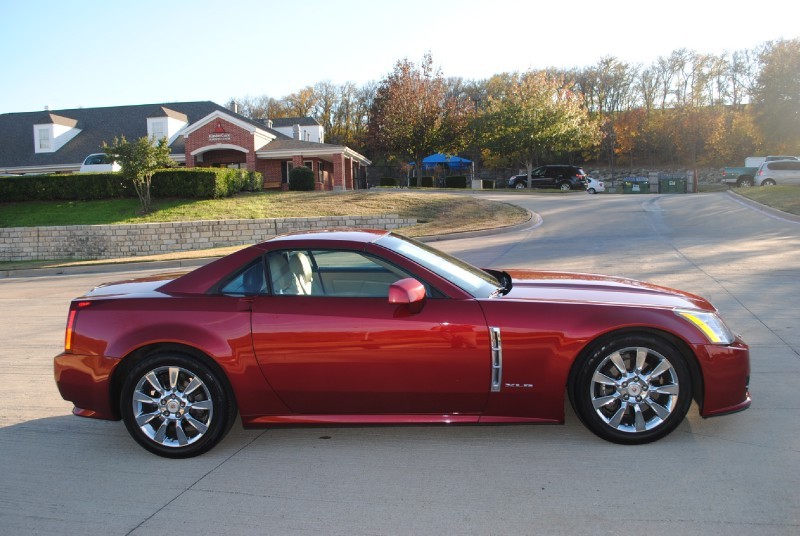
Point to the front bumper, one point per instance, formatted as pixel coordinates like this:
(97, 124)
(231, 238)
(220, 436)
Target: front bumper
(726, 378)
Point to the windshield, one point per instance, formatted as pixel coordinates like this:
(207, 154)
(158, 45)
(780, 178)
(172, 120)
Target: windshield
(473, 280)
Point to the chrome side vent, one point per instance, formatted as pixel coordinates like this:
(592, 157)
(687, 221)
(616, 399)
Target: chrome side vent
(497, 359)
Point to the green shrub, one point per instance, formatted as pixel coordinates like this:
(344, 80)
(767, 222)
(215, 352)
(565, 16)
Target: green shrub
(389, 181)
(426, 182)
(488, 184)
(301, 179)
(455, 181)
(255, 182)
(74, 187)
(177, 182)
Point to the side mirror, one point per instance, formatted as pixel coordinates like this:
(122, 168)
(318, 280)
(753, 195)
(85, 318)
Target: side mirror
(409, 292)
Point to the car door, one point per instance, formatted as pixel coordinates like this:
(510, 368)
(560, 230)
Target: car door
(342, 348)
(539, 178)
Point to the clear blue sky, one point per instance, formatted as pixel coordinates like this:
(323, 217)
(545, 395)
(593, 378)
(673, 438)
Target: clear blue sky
(86, 53)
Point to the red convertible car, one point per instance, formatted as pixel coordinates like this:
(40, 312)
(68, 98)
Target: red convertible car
(362, 327)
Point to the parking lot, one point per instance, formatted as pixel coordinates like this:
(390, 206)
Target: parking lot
(734, 474)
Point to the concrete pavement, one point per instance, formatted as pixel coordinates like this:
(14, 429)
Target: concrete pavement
(733, 474)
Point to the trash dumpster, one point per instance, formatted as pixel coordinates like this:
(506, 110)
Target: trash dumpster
(672, 185)
(636, 185)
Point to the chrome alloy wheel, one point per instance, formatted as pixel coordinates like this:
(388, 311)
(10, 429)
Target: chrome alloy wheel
(634, 389)
(172, 406)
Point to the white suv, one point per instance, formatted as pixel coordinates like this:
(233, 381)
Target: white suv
(98, 163)
(778, 172)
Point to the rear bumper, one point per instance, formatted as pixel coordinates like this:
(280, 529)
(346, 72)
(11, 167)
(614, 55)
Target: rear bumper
(85, 380)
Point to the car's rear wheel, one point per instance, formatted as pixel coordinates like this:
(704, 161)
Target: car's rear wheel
(744, 182)
(175, 406)
(633, 389)
(520, 185)
(565, 187)
(768, 182)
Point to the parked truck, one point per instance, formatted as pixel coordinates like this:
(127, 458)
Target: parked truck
(742, 177)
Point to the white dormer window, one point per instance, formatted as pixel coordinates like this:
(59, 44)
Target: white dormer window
(44, 142)
(54, 133)
(169, 125)
(159, 130)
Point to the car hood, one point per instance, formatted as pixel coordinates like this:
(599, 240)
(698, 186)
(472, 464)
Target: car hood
(591, 288)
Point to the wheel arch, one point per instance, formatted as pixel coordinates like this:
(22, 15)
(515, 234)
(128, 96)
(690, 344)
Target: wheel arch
(606, 338)
(134, 357)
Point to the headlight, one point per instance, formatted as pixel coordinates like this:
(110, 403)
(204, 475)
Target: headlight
(710, 324)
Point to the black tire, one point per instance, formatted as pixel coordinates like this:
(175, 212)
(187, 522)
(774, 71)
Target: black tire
(186, 414)
(745, 182)
(520, 185)
(565, 187)
(613, 389)
(591, 191)
(768, 182)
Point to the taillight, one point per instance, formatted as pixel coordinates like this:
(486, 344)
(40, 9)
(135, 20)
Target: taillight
(73, 313)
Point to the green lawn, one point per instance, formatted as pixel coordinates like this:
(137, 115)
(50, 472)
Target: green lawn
(436, 213)
(785, 198)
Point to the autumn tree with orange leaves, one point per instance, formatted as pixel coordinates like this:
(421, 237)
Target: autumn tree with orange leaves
(413, 115)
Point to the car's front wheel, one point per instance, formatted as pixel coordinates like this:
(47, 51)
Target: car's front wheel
(768, 182)
(520, 185)
(633, 389)
(591, 191)
(176, 406)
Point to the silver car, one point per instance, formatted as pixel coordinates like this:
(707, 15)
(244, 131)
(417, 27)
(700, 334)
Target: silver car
(778, 172)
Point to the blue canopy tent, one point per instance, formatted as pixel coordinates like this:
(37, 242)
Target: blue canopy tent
(453, 163)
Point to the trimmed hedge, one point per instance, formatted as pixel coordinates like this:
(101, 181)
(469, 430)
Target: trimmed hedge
(389, 181)
(301, 179)
(426, 182)
(209, 183)
(455, 181)
(78, 186)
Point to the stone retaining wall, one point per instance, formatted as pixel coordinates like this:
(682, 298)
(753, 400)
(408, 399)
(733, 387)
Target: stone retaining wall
(115, 241)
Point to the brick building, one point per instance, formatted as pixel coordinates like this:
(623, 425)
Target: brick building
(200, 134)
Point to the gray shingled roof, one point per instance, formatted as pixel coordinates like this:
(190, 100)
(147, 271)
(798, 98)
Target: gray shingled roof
(97, 125)
(292, 121)
(285, 143)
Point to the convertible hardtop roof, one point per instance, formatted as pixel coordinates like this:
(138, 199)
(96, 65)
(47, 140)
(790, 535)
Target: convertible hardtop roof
(335, 235)
(204, 278)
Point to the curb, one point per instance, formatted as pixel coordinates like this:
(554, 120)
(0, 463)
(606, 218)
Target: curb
(764, 209)
(106, 268)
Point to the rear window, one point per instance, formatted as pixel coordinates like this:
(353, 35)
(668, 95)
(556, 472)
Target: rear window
(94, 159)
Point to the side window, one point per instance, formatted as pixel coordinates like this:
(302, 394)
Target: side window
(331, 273)
(249, 281)
(292, 273)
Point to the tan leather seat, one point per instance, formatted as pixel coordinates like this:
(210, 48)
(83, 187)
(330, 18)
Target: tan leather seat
(300, 265)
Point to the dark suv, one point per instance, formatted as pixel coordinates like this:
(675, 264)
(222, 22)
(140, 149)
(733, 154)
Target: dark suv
(556, 176)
